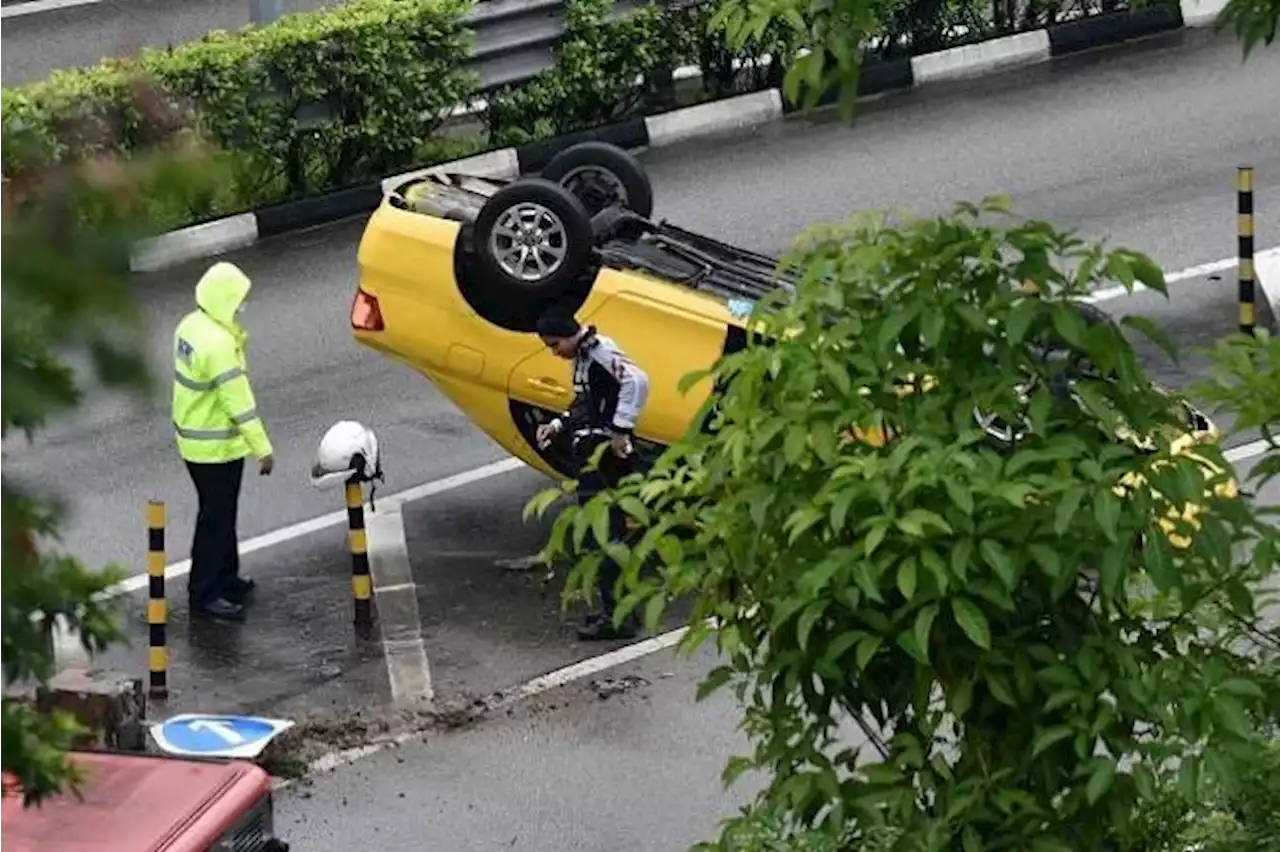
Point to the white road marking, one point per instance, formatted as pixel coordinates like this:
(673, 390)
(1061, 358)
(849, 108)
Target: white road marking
(587, 668)
(1244, 452)
(396, 597)
(35, 7)
(1260, 258)
(333, 519)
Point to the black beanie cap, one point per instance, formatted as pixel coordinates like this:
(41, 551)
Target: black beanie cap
(557, 322)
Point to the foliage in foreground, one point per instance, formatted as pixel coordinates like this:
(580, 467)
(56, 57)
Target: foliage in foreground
(1253, 21)
(982, 645)
(67, 295)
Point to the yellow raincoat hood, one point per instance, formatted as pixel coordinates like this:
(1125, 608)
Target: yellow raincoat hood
(220, 293)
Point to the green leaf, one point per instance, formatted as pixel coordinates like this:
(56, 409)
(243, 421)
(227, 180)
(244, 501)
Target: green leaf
(715, 679)
(1066, 511)
(599, 515)
(1047, 559)
(1020, 319)
(1111, 571)
(540, 502)
(1153, 333)
(907, 578)
(937, 569)
(1240, 687)
(1100, 781)
(840, 509)
(960, 495)
(875, 536)
(800, 521)
(961, 698)
(867, 649)
(971, 620)
(999, 686)
(838, 374)
(733, 769)
(634, 508)
(1069, 325)
(808, 619)
(840, 646)
(962, 558)
(916, 520)
(924, 625)
(1106, 511)
(653, 609)
(996, 556)
(1229, 715)
(1048, 737)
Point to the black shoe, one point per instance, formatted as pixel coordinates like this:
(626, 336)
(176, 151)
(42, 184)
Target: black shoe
(221, 609)
(241, 590)
(599, 628)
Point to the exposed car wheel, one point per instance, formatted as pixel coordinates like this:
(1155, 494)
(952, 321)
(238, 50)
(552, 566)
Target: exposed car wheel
(600, 174)
(533, 237)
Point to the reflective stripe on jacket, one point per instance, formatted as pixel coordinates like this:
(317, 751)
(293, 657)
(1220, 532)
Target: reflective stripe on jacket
(215, 417)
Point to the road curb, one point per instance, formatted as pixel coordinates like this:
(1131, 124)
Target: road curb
(1266, 272)
(219, 236)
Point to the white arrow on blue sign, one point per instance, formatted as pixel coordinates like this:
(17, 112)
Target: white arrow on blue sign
(210, 735)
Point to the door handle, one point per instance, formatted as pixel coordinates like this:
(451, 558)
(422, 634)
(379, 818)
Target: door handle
(545, 384)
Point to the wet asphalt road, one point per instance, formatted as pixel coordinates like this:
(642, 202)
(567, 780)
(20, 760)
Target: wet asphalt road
(1141, 148)
(570, 771)
(37, 44)
(625, 761)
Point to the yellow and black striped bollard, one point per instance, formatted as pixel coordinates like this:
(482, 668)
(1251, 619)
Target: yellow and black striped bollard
(361, 581)
(157, 606)
(1244, 229)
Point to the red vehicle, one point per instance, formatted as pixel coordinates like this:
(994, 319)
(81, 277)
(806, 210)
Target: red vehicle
(146, 803)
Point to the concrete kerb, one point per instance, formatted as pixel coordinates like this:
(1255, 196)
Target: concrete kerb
(396, 597)
(1266, 269)
(975, 60)
(1201, 13)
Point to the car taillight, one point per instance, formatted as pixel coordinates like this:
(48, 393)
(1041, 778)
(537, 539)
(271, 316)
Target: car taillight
(365, 313)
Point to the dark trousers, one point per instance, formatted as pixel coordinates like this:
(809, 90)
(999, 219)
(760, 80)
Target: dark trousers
(611, 470)
(215, 548)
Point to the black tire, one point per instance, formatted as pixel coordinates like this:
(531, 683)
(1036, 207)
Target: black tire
(600, 174)
(568, 245)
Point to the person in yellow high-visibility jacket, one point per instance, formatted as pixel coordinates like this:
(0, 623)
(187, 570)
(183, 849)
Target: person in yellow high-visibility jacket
(216, 425)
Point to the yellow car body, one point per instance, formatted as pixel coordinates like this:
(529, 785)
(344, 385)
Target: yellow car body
(414, 306)
(499, 378)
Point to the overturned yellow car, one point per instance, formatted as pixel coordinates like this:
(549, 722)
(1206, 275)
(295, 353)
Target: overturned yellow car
(454, 269)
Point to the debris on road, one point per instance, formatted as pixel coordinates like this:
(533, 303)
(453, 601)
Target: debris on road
(608, 687)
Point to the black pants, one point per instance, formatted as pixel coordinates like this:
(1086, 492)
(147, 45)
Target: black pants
(215, 548)
(611, 470)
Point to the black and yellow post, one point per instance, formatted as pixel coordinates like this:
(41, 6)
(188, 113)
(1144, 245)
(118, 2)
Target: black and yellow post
(157, 605)
(1244, 230)
(361, 580)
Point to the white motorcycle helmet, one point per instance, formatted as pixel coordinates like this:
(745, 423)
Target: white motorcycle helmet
(348, 449)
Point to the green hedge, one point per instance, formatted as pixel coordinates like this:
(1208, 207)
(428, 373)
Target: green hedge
(322, 100)
(311, 102)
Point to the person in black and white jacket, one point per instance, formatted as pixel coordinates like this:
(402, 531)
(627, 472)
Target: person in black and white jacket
(609, 392)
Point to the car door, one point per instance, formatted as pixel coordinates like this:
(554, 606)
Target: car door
(667, 331)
